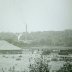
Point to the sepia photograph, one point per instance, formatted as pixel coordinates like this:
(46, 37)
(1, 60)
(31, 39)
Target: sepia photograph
(35, 35)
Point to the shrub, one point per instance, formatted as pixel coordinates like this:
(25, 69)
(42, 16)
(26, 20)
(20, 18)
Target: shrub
(39, 66)
(67, 67)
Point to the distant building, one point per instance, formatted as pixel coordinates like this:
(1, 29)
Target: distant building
(7, 48)
(24, 37)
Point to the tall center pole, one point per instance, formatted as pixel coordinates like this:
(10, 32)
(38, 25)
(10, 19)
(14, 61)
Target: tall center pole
(26, 33)
(26, 28)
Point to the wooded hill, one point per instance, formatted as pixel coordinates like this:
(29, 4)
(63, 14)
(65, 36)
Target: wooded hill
(45, 38)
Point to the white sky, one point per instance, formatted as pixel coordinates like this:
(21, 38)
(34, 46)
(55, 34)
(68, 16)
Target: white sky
(39, 15)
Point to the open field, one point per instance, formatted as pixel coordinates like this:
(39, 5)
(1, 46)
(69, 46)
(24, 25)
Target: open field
(21, 62)
(13, 61)
(49, 48)
(18, 61)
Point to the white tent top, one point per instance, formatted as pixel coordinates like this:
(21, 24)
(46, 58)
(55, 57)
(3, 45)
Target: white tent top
(4, 45)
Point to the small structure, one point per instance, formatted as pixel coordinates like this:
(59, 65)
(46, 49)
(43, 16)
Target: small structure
(7, 48)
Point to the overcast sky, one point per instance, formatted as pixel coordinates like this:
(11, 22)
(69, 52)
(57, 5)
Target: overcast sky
(39, 15)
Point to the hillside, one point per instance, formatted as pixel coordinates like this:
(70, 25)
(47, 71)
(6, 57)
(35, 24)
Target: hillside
(45, 38)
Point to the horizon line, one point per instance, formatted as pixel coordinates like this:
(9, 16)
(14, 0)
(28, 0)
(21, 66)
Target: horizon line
(33, 31)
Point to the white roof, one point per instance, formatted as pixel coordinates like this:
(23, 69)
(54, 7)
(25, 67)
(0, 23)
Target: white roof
(4, 45)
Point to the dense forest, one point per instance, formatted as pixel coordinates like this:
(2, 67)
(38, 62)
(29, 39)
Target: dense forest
(45, 38)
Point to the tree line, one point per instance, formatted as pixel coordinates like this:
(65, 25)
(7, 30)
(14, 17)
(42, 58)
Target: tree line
(45, 38)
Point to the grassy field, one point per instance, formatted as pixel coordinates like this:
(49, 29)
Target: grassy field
(48, 47)
(21, 62)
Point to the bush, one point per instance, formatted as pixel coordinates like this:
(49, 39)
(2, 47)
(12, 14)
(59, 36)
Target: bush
(46, 52)
(39, 66)
(67, 67)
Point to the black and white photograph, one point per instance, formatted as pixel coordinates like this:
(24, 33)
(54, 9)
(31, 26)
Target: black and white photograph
(35, 35)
